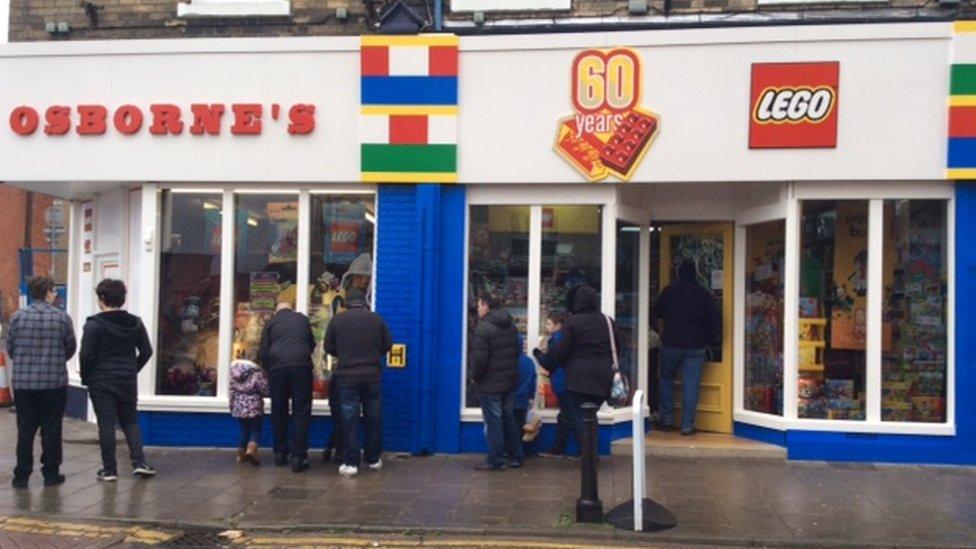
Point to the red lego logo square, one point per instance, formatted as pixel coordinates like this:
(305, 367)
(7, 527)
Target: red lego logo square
(794, 105)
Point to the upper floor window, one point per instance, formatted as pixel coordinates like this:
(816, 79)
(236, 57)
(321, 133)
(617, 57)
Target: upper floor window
(233, 8)
(509, 5)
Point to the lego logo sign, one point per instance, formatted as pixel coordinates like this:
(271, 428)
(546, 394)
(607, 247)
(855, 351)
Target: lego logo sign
(345, 237)
(794, 105)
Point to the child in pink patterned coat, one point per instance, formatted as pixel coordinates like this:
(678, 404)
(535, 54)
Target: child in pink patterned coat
(248, 387)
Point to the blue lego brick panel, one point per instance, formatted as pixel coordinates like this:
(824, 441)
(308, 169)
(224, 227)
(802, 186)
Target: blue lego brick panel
(473, 438)
(215, 430)
(762, 434)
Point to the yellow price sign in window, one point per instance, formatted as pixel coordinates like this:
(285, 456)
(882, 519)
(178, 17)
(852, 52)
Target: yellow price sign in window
(397, 358)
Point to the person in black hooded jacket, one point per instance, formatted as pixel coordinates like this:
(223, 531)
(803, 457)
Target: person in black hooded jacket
(584, 351)
(114, 348)
(494, 369)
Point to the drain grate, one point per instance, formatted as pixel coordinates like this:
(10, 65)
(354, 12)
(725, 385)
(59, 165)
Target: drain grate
(199, 538)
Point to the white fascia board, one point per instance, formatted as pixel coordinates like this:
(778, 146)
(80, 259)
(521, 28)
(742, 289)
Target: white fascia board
(211, 8)
(509, 5)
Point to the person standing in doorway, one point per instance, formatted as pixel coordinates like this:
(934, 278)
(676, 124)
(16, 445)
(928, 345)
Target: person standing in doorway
(359, 338)
(495, 371)
(114, 348)
(40, 341)
(692, 322)
(585, 350)
(286, 354)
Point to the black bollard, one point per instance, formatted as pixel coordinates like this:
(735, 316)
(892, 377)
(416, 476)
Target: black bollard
(589, 508)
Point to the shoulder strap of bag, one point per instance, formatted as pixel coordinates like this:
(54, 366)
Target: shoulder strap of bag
(613, 343)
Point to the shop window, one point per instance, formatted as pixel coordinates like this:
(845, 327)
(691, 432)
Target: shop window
(572, 243)
(233, 8)
(498, 262)
(833, 311)
(341, 258)
(265, 263)
(189, 294)
(765, 249)
(627, 302)
(913, 387)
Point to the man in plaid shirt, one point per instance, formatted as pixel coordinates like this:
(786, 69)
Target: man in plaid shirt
(40, 340)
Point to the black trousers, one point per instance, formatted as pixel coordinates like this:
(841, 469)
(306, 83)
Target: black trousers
(291, 384)
(335, 409)
(114, 402)
(42, 409)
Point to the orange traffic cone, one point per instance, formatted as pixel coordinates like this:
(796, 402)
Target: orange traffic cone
(5, 398)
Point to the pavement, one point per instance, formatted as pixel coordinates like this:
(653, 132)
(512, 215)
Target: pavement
(717, 500)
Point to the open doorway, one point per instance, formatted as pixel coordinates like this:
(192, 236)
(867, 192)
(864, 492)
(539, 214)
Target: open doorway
(709, 247)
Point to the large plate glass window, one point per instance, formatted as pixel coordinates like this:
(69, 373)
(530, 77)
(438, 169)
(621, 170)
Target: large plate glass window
(915, 273)
(627, 302)
(189, 294)
(833, 310)
(340, 260)
(498, 262)
(765, 251)
(265, 264)
(572, 240)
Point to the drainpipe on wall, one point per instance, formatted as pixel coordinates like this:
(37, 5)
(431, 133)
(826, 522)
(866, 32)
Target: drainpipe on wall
(438, 15)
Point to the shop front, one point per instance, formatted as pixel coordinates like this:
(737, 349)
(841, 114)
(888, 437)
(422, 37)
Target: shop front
(805, 180)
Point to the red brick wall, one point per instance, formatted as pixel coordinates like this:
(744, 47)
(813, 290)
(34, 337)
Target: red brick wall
(14, 202)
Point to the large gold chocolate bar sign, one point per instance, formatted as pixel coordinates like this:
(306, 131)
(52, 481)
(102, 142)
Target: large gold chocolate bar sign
(609, 133)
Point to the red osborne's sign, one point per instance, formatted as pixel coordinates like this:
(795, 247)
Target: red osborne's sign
(162, 119)
(794, 105)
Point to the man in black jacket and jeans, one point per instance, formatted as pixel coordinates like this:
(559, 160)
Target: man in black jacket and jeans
(494, 369)
(286, 354)
(359, 338)
(692, 322)
(114, 348)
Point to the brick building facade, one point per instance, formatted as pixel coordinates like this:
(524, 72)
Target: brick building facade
(24, 224)
(39, 20)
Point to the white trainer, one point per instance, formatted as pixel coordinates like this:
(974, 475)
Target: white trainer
(348, 470)
(376, 466)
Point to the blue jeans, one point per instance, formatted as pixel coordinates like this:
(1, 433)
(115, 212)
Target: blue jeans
(370, 397)
(691, 362)
(251, 428)
(504, 439)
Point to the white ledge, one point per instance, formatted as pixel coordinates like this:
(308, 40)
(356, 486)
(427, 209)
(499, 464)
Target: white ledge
(212, 8)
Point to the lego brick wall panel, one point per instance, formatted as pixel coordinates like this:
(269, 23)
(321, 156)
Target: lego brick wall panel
(398, 299)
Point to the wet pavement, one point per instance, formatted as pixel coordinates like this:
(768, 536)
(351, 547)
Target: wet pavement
(716, 500)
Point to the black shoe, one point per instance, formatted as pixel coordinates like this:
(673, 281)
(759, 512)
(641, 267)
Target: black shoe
(143, 470)
(487, 467)
(53, 480)
(664, 427)
(299, 465)
(327, 455)
(19, 482)
(105, 475)
(281, 460)
(688, 433)
(514, 464)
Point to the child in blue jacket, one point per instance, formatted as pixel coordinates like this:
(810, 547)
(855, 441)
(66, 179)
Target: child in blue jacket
(557, 378)
(525, 390)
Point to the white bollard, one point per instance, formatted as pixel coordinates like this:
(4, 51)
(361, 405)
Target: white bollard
(640, 482)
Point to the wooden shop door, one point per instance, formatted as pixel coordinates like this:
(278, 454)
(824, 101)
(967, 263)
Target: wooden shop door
(709, 245)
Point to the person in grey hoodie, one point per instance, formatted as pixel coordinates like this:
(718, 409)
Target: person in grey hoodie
(114, 347)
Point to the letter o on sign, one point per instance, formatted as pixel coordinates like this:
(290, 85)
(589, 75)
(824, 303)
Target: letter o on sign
(24, 120)
(128, 119)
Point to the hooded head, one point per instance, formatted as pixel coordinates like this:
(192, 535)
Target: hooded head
(585, 299)
(687, 272)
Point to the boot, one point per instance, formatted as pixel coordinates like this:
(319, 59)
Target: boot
(240, 455)
(251, 454)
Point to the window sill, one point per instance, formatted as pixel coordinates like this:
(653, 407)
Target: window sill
(763, 3)
(845, 426)
(605, 416)
(210, 405)
(461, 6)
(274, 8)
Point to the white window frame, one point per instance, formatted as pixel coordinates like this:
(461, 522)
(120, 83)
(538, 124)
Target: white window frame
(460, 6)
(234, 8)
(149, 293)
(875, 193)
(535, 198)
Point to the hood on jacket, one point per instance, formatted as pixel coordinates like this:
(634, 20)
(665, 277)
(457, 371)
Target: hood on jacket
(585, 299)
(687, 272)
(240, 370)
(119, 324)
(500, 318)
